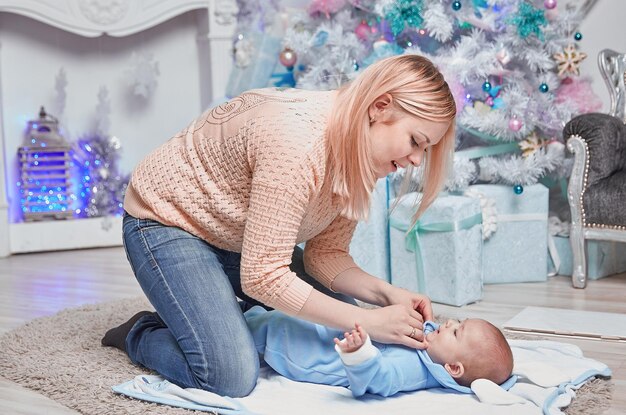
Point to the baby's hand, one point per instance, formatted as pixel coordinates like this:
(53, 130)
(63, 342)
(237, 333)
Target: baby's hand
(352, 340)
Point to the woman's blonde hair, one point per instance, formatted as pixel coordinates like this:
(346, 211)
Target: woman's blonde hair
(417, 88)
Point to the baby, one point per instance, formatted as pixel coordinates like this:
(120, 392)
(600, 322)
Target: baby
(458, 353)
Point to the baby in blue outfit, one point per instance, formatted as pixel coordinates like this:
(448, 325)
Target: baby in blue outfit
(458, 353)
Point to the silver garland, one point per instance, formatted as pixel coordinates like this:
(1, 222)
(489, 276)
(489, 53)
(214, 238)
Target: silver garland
(102, 184)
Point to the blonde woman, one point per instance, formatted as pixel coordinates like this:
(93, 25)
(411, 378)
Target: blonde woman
(216, 213)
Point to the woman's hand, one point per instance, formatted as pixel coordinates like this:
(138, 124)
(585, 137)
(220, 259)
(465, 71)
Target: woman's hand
(419, 302)
(397, 324)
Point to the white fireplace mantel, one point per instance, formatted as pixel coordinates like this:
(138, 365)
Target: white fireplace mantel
(93, 18)
(114, 18)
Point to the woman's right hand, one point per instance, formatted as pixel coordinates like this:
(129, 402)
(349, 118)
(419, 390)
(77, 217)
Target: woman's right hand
(396, 324)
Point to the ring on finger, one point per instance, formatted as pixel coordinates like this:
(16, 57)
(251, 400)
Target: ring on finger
(413, 329)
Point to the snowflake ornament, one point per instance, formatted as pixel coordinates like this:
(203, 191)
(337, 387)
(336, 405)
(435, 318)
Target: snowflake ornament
(243, 52)
(569, 61)
(404, 13)
(531, 144)
(142, 74)
(60, 87)
(528, 20)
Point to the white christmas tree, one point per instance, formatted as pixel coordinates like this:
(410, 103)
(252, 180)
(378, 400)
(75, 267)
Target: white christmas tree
(513, 66)
(102, 185)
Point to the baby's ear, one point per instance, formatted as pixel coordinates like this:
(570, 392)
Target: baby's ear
(455, 369)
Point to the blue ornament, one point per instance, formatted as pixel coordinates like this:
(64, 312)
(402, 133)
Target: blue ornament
(518, 189)
(456, 6)
(355, 66)
(544, 87)
(487, 86)
(320, 38)
(494, 94)
(578, 36)
(284, 79)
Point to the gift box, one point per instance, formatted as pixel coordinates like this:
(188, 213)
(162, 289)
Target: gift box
(370, 243)
(517, 250)
(258, 57)
(604, 258)
(442, 254)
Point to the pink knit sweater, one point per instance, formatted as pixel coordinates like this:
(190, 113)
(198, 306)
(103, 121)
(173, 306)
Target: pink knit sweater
(248, 176)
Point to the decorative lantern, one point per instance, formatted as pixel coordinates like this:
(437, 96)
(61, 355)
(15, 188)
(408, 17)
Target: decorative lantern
(45, 163)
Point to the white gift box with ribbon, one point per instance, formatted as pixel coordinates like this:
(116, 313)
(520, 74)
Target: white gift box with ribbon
(517, 251)
(442, 254)
(370, 243)
(604, 258)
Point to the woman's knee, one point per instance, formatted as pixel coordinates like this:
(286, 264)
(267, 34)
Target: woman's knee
(244, 381)
(234, 375)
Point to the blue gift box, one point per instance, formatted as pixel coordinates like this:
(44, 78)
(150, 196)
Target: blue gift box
(442, 255)
(265, 49)
(370, 243)
(604, 258)
(518, 250)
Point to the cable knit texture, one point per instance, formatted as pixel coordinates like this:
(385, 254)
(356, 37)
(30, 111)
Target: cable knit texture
(248, 176)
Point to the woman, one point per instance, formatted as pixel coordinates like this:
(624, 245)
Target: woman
(216, 213)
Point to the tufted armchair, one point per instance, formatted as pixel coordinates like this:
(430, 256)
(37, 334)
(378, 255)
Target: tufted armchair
(597, 186)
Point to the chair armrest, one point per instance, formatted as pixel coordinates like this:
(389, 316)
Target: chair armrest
(605, 136)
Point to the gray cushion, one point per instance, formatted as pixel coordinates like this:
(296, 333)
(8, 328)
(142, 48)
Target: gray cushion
(605, 201)
(606, 140)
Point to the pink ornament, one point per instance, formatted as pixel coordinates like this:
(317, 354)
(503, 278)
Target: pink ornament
(362, 31)
(549, 4)
(288, 57)
(503, 56)
(326, 7)
(515, 124)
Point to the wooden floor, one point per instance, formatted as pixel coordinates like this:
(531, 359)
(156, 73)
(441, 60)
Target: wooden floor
(36, 285)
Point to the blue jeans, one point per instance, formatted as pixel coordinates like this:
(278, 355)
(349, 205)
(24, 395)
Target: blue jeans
(198, 336)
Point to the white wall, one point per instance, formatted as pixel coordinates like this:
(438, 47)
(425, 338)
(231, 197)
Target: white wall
(32, 54)
(602, 28)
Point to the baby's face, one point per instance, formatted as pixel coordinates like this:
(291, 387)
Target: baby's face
(454, 340)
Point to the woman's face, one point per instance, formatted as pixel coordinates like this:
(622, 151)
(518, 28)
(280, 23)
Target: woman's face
(402, 140)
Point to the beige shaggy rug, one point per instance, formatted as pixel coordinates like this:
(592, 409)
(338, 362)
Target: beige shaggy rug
(61, 357)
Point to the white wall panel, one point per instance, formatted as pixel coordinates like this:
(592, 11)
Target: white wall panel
(190, 40)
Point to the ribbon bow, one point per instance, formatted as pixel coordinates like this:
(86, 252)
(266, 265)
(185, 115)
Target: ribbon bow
(412, 240)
